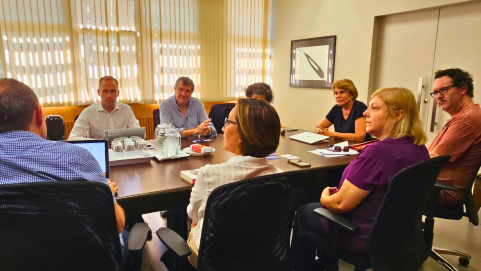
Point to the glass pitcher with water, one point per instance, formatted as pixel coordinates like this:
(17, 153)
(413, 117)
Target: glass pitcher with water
(171, 144)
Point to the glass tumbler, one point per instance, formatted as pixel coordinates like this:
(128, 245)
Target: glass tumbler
(129, 146)
(117, 147)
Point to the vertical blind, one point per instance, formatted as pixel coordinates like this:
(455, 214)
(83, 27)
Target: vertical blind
(170, 45)
(106, 34)
(37, 47)
(62, 48)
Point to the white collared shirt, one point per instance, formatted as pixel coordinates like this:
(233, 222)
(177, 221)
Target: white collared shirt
(212, 176)
(95, 119)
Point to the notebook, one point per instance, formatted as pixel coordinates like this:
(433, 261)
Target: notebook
(310, 138)
(99, 150)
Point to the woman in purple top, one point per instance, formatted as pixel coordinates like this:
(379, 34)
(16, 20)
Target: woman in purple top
(392, 116)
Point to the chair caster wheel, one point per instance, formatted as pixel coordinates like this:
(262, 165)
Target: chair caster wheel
(464, 261)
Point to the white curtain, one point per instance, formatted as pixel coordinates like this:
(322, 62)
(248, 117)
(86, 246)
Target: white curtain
(37, 47)
(106, 35)
(170, 45)
(62, 48)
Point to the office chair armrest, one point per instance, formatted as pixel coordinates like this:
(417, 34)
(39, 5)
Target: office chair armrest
(444, 186)
(174, 242)
(138, 236)
(337, 218)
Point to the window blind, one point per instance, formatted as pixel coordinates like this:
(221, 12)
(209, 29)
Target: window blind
(62, 48)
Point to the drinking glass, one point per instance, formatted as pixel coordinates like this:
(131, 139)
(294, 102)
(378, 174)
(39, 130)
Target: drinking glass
(117, 147)
(129, 146)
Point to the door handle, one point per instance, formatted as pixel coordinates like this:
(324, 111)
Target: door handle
(433, 117)
(420, 92)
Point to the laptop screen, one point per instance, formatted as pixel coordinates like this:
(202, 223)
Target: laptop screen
(99, 150)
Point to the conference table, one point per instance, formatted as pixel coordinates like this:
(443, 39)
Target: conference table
(157, 186)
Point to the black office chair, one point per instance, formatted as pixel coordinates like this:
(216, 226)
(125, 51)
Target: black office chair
(218, 113)
(156, 116)
(247, 225)
(455, 213)
(63, 226)
(396, 239)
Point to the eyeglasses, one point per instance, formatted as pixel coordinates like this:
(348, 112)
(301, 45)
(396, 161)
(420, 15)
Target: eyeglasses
(338, 148)
(442, 91)
(227, 121)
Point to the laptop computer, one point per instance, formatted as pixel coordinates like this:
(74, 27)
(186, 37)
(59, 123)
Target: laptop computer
(99, 150)
(310, 138)
(128, 132)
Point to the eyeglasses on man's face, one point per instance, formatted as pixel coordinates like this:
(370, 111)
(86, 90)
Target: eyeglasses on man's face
(227, 121)
(441, 91)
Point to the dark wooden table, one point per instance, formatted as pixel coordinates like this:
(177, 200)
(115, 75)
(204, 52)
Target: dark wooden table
(157, 186)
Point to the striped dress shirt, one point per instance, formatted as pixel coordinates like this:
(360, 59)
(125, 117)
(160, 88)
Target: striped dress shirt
(212, 176)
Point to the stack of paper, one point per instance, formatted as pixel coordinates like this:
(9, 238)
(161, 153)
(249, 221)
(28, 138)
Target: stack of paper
(328, 153)
(161, 157)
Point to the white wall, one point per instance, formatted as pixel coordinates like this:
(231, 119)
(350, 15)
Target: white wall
(352, 21)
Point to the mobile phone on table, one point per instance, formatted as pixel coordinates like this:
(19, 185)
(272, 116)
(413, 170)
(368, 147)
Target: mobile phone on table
(299, 163)
(291, 129)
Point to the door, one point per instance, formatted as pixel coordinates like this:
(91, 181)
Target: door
(405, 53)
(458, 45)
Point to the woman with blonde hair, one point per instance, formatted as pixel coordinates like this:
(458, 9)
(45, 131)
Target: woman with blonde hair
(346, 116)
(251, 133)
(392, 117)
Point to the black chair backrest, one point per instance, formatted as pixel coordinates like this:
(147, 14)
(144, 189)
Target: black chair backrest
(396, 241)
(58, 226)
(156, 115)
(218, 113)
(247, 224)
(471, 211)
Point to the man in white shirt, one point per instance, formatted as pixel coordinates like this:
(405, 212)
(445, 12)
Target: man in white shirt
(104, 115)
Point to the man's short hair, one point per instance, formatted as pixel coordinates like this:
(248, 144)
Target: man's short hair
(458, 78)
(260, 89)
(17, 104)
(108, 77)
(186, 81)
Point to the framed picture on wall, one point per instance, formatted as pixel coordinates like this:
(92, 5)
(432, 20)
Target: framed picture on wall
(312, 62)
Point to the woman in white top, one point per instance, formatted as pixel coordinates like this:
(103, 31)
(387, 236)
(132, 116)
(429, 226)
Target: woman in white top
(251, 132)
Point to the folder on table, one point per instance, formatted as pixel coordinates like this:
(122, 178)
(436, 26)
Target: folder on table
(310, 138)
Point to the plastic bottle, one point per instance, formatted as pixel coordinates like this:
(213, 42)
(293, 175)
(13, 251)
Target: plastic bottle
(159, 136)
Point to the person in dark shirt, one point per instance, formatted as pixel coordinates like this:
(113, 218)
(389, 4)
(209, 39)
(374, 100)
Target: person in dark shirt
(347, 115)
(261, 91)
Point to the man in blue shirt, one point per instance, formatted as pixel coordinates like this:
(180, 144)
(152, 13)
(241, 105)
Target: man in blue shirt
(26, 156)
(186, 112)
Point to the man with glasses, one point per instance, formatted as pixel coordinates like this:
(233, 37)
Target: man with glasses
(186, 112)
(461, 135)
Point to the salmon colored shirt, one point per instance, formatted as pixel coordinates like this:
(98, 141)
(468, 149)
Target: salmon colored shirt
(460, 138)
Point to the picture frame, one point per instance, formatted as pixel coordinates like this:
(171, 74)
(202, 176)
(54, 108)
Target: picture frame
(313, 62)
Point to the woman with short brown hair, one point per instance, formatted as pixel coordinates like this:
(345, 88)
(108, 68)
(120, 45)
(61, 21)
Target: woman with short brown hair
(346, 116)
(251, 132)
